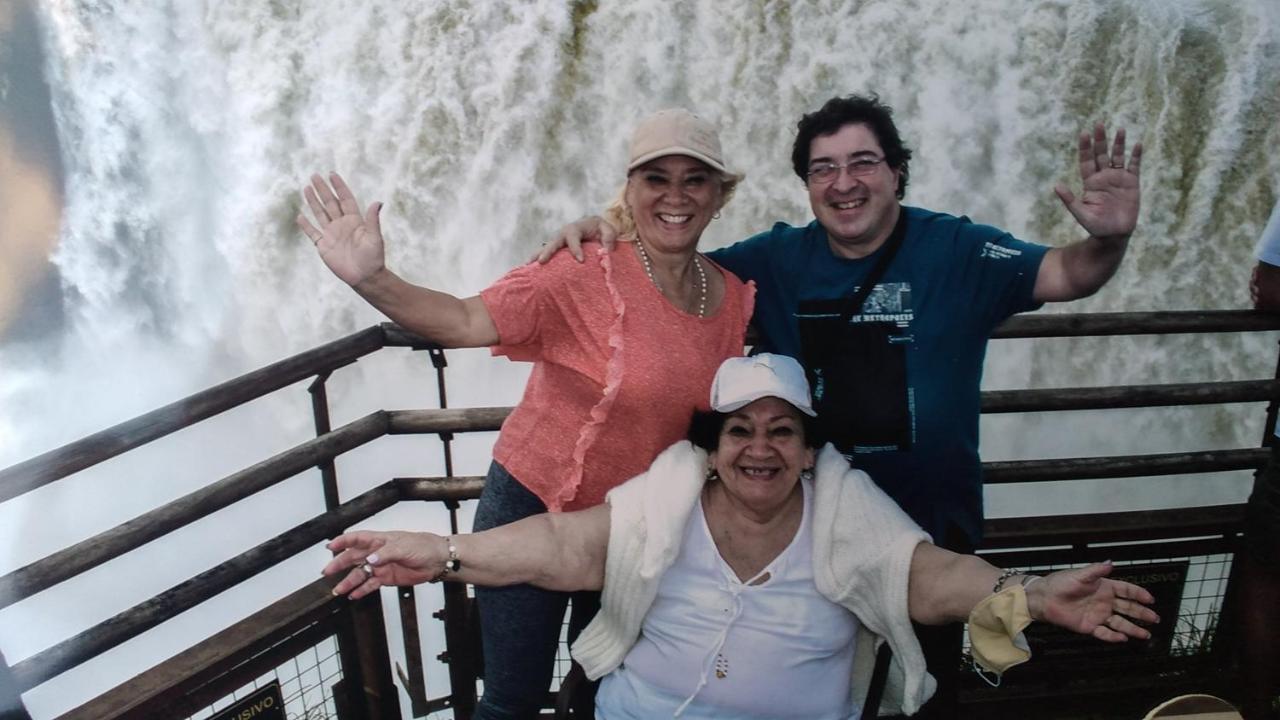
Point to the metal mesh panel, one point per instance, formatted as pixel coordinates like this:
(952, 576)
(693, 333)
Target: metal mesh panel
(1199, 607)
(306, 682)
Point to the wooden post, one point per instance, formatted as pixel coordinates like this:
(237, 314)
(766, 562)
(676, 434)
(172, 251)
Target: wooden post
(462, 649)
(320, 412)
(460, 646)
(415, 678)
(366, 665)
(11, 707)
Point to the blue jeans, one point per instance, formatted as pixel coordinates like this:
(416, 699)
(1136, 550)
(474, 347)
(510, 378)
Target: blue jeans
(520, 624)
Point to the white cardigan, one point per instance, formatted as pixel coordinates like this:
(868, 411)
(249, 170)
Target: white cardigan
(862, 548)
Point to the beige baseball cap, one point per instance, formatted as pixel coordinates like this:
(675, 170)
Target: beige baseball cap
(676, 131)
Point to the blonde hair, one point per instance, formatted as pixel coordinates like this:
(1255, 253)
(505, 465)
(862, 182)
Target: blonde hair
(618, 214)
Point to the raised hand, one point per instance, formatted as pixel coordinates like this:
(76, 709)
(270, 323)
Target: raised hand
(374, 559)
(1108, 204)
(1083, 600)
(573, 235)
(350, 244)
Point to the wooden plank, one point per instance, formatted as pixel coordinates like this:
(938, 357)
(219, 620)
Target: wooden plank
(406, 422)
(396, 336)
(220, 651)
(86, 452)
(1209, 520)
(441, 488)
(993, 401)
(1128, 396)
(1135, 323)
(1053, 325)
(85, 555)
(1062, 555)
(186, 595)
(1118, 466)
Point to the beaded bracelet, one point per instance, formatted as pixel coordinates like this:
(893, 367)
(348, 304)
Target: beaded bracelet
(453, 564)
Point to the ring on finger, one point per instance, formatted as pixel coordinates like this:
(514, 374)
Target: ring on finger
(1117, 166)
(367, 569)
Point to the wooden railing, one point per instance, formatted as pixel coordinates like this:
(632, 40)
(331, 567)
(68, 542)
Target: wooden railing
(169, 683)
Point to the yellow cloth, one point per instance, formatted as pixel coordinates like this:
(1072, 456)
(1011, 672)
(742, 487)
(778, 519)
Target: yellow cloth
(995, 630)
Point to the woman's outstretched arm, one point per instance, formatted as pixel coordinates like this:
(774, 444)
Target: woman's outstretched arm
(556, 551)
(945, 587)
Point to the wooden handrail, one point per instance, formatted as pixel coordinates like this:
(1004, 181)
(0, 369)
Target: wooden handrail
(408, 422)
(997, 472)
(106, 444)
(1129, 526)
(1128, 396)
(108, 545)
(440, 488)
(1118, 466)
(86, 452)
(186, 595)
(1164, 322)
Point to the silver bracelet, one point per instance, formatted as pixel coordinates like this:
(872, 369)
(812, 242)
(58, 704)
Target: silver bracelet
(1000, 581)
(1025, 582)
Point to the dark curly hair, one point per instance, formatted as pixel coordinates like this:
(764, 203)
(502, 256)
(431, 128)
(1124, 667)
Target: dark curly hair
(705, 427)
(851, 110)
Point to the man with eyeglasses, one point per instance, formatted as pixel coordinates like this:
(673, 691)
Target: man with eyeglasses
(896, 369)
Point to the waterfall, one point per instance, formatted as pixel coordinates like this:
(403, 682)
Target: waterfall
(188, 128)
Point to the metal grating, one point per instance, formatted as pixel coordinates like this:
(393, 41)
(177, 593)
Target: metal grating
(306, 682)
(1199, 607)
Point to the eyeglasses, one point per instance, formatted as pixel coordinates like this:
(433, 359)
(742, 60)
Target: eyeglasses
(825, 172)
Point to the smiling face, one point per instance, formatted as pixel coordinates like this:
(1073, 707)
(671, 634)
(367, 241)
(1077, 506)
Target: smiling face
(672, 200)
(761, 452)
(858, 213)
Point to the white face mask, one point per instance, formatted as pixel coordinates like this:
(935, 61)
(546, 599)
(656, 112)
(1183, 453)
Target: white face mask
(995, 633)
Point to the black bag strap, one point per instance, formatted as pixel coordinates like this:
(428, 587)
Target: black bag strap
(879, 676)
(891, 246)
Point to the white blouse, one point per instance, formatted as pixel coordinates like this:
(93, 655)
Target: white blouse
(712, 645)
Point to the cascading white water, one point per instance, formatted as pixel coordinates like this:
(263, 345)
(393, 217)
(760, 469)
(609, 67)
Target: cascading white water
(187, 130)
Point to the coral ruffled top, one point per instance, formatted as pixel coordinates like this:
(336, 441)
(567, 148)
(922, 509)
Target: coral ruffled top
(618, 370)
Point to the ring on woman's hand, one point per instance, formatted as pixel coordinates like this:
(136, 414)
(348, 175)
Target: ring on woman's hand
(1117, 166)
(367, 569)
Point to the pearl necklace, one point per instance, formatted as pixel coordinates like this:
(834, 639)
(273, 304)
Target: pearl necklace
(702, 277)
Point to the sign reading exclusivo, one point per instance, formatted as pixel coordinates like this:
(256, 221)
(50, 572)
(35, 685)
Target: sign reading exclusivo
(265, 703)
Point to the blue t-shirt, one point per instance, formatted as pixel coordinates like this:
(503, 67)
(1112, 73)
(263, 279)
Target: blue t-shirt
(950, 284)
(1268, 250)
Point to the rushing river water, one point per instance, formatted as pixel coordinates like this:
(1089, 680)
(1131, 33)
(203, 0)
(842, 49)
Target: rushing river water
(186, 129)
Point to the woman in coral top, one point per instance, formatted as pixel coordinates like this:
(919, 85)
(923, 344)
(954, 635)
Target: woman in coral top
(624, 348)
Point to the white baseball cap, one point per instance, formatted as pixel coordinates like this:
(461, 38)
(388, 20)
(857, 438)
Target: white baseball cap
(743, 380)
